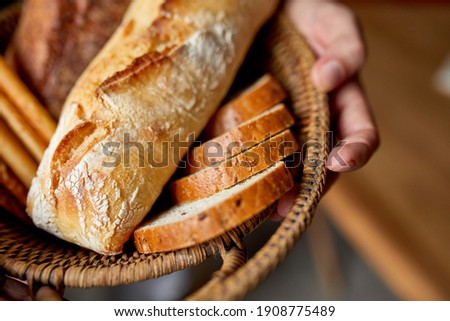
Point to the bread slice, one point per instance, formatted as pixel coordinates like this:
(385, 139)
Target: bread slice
(263, 94)
(239, 139)
(202, 220)
(236, 169)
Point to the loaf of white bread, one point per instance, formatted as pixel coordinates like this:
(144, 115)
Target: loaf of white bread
(163, 73)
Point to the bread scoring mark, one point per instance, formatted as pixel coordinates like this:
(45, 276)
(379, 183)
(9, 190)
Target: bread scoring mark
(71, 149)
(164, 35)
(66, 148)
(138, 66)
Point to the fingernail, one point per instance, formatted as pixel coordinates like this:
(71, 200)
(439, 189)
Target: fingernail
(331, 75)
(338, 161)
(336, 166)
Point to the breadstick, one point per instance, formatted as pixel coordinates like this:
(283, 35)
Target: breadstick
(23, 131)
(10, 181)
(16, 156)
(28, 106)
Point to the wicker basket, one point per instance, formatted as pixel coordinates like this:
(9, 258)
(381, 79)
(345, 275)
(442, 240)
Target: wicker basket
(39, 258)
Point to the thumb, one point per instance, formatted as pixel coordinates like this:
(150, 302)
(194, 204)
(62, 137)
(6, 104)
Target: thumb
(340, 62)
(334, 33)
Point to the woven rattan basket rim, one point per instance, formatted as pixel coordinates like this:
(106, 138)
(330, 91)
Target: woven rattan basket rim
(33, 255)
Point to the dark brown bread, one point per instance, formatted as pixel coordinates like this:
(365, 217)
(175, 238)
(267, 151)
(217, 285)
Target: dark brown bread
(57, 39)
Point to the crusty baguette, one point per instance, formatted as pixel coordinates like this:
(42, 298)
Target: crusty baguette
(202, 220)
(55, 41)
(239, 138)
(266, 92)
(233, 171)
(159, 78)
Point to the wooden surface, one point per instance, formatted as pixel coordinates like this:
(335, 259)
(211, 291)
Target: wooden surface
(396, 211)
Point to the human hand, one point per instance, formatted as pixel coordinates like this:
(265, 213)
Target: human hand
(333, 33)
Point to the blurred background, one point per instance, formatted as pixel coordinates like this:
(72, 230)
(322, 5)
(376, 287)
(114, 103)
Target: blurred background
(381, 233)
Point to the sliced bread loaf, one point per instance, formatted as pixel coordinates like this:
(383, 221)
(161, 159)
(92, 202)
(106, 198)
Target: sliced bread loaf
(263, 94)
(202, 220)
(213, 179)
(240, 138)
